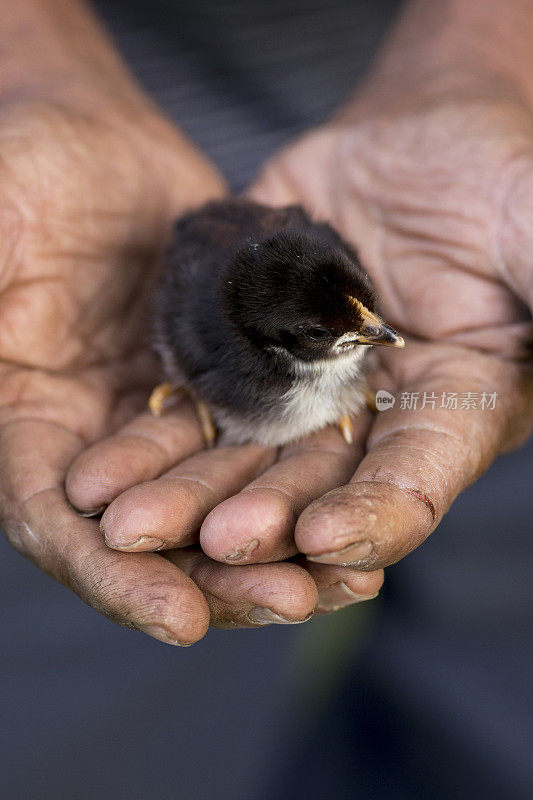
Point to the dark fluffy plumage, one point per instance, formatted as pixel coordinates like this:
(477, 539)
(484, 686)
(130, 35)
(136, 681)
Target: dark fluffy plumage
(243, 289)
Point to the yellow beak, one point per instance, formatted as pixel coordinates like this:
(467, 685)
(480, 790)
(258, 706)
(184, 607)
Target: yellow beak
(374, 330)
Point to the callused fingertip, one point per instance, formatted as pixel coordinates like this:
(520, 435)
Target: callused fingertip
(337, 596)
(347, 556)
(261, 615)
(255, 515)
(243, 551)
(163, 635)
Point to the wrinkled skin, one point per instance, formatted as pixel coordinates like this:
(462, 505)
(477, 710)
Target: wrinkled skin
(437, 194)
(86, 202)
(436, 191)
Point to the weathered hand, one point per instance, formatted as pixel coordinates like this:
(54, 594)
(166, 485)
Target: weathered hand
(87, 199)
(436, 192)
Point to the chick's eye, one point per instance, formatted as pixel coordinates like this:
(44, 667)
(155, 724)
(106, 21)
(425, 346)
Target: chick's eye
(315, 333)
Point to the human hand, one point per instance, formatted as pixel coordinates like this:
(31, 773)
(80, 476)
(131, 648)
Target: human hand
(435, 189)
(87, 203)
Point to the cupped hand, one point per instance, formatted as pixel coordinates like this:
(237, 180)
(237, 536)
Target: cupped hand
(436, 192)
(88, 196)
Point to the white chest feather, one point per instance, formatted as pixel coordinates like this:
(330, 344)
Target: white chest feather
(324, 393)
(321, 393)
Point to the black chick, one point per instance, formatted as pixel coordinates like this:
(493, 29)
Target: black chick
(265, 318)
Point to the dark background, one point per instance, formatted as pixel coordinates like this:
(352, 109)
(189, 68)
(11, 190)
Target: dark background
(425, 693)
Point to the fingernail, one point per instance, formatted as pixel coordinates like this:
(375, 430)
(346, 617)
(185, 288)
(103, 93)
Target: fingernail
(350, 554)
(245, 550)
(265, 616)
(161, 633)
(95, 512)
(142, 543)
(339, 595)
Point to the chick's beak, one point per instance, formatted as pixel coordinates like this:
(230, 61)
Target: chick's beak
(375, 331)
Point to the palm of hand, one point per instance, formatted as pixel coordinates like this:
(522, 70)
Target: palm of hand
(427, 197)
(435, 198)
(82, 221)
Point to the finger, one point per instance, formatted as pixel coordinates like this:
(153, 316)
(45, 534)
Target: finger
(257, 525)
(252, 595)
(418, 461)
(142, 450)
(339, 587)
(169, 511)
(137, 590)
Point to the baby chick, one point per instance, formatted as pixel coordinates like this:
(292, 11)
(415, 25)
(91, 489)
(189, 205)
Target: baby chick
(265, 317)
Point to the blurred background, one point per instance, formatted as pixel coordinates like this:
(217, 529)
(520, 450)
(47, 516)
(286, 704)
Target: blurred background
(424, 693)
